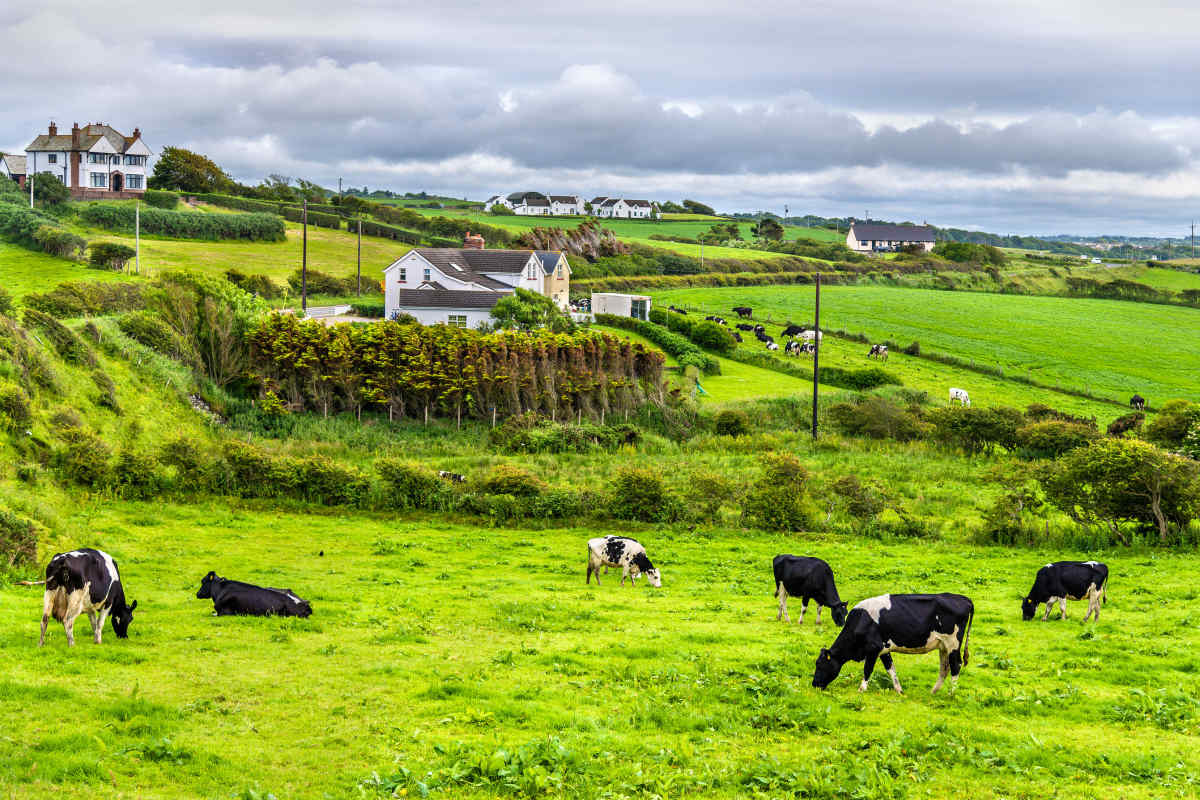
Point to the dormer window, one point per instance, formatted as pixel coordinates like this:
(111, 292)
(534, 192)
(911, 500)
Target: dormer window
(428, 275)
(403, 275)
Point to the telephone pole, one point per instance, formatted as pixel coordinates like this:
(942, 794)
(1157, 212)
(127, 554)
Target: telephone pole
(359, 274)
(304, 261)
(816, 351)
(1193, 238)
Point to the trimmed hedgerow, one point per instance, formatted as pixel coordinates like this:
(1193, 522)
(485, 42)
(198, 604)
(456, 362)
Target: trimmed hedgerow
(683, 350)
(59, 242)
(314, 218)
(386, 231)
(161, 199)
(109, 255)
(80, 298)
(186, 224)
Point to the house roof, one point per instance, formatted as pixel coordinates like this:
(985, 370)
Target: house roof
(536, 201)
(563, 198)
(549, 259)
(598, 200)
(88, 136)
(446, 298)
(492, 199)
(611, 201)
(638, 203)
(892, 233)
(15, 164)
(525, 197)
(466, 263)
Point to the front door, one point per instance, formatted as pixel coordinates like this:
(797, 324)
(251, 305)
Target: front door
(117, 182)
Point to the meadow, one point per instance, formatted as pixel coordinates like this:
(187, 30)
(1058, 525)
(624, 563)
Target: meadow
(1109, 347)
(474, 662)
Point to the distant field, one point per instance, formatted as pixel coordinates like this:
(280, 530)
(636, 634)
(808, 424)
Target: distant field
(23, 271)
(1110, 347)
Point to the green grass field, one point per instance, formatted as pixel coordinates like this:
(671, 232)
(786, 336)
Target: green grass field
(1109, 347)
(475, 661)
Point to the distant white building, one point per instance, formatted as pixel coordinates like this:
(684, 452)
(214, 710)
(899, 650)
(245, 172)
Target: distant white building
(868, 238)
(94, 162)
(636, 306)
(622, 208)
(562, 205)
(536, 204)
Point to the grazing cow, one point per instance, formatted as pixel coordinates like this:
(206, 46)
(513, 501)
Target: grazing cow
(808, 347)
(792, 348)
(809, 579)
(236, 598)
(744, 326)
(762, 337)
(772, 346)
(809, 336)
(759, 329)
(1063, 581)
(1137, 403)
(793, 330)
(453, 477)
(960, 396)
(878, 351)
(82, 581)
(900, 623)
(743, 311)
(737, 337)
(623, 552)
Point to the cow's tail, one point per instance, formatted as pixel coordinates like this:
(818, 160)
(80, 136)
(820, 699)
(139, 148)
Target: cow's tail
(30, 583)
(1104, 590)
(966, 652)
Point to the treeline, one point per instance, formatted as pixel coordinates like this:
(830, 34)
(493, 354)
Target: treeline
(185, 224)
(414, 370)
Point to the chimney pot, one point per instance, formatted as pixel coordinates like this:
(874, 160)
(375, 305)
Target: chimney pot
(472, 241)
(53, 128)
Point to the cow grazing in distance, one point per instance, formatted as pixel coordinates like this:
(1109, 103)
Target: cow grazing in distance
(900, 623)
(793, 330)
(235, 598)
(1063, 581)
(792, 348)
(85, 581)
(759, 329)
(879, 351)
(623, 552)
(453, 477)
(771, 345)
(1137, 403)
(809, 336)
(762, 337)
(743, 311)
(744, 326)
(961, 397)
(809, 579)
(737, 337)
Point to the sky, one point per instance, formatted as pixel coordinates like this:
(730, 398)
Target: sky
(1012, 116)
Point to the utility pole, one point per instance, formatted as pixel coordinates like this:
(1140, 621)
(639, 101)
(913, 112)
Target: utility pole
(32, 172)
(359, 258)
(1193, 238)
(339, 188)
(816, 352)
(137, 236)
(304, 260)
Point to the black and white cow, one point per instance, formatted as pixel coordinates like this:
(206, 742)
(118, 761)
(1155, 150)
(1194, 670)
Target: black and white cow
(792, 348)
(453, 477)
(771, 344)
(744, 326)
(900, 623)
(623, 552)
(1063, 581)
(85, 581)
(809, 579)
(237, 598)
(745, 312)
(793, 330)
(762, 337)
(759, 329)
(1137, 403)
(737, 337)
(879, 351)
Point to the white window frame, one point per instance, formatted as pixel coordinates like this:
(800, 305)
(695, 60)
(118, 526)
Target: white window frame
(456, 320)
(403, 275)
(99, 180)
(427, 275)
(133, 181)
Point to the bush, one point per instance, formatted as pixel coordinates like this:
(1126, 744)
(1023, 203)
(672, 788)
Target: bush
(535, 433)
(85, 459)
(86, 298)
(6, 301)
(59, 242)
(149, 329)
(672, 343)
(1170, 426)
(410, 485)
(976, 430)
(863, 501)
(731, 422)
(878, 418)
(189, 462)
(712, 336)
(160, 199)
(18, 540)
(1053, 437)
(136, 477)
(323, 283)
(109, 255)
(1126, 423)
(14, 407)
(708, 490)
(259, 285)
(108, 391)
(639, 494)
(370, 228)
(779, 499)
(73, 349)
(186, 224)
(368, 310)
(324, 481)
(512, 480)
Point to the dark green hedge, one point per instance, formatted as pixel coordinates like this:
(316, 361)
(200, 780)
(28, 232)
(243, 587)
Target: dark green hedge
(159, 199)
(186, 224)
(683, 350)
(240, 203)
(387, 231)
(314, 218)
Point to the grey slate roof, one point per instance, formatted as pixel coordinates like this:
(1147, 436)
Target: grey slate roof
(562, 198)
(536, 201)
(88, 136)
(467, 263)
(15, 164)
(446, 298)
(892, 233)
(549, 260)
(524, 197)
(638, 203)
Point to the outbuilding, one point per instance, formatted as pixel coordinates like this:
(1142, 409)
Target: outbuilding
(636, 306)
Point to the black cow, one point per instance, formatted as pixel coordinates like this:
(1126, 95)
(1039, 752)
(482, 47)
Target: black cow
(759, 329)
(1063, 581)
(1137, 402)
(809, 579)
(900, 623)
(793, 330)
(235, 597)
(737, 337)
(743, 311)
(744, 326)
(81, 581)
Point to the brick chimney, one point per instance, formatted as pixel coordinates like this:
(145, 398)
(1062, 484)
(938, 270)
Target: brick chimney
(75, 134)
(137, 133)
(472, 241)
(53, 128)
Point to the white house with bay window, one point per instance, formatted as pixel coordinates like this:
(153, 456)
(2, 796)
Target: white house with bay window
(95, 162)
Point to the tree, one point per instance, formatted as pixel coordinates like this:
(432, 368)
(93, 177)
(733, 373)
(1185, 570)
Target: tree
(185, 171)
(694, 207)
(768, 228)
(1125, 480)
(310, 191)
(49, 190)
(526, 310)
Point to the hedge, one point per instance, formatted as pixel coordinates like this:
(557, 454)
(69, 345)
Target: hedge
(161, 199)
(240, 203)
(186, 224)
(370, 228)
(683, 350)
(314, 218)
(59, 241)
(623, 283)
(109, 255)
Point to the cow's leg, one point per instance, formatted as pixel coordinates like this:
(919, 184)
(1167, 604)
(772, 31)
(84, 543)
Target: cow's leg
(69, 626)
(868, 668)
(803, 609)
(955, 661)
(1049, 605)
(886, 659)
(92, 618)
(943, 668)
(782, 595)
(625, 574)
(100, 626)
(1062, 607)
(818, 613)
(47, 605)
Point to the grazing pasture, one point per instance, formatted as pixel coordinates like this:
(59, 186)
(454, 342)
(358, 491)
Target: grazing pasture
(473, 662)
(1111, 347)
(23, 271)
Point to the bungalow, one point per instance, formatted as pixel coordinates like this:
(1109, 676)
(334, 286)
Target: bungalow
(13, 167)
(536, 204)
(95, 161)
(867, 238)
(620, 208)
(566, 205)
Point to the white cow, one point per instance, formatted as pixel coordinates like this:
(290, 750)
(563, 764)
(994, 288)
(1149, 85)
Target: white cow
(623, 552)
(960, 396)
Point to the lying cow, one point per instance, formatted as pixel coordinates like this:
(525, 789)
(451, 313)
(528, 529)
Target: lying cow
(1137, 403)
(623, 552)
(744, 326)
(237, 598)
(453, 477)
(1063, 581)
(81, 581)
(961, 397)
(809, 579)
(771, 345)
(737, 337)
(900, 623)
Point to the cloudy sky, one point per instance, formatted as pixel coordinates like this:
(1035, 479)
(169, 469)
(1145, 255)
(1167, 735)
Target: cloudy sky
(1016, 116)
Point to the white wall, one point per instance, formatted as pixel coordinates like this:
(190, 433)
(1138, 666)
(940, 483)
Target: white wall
(439, 316)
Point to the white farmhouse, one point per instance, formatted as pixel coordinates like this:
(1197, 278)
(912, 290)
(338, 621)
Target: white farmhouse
(563, 205)
(866, 238)
(622, 208)
(95, 161)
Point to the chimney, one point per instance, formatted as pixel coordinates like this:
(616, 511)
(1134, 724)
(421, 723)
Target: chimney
(137, 133)
(75, 136)
(472, 241)
(53, 128)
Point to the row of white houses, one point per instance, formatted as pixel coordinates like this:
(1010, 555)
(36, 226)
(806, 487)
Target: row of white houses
(536, 204)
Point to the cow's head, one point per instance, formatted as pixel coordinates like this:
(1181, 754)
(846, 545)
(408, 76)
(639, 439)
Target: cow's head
(121, 618)
(838, 611)
(1028, 609)
(827, 669)
(206, 583)
(654, 577)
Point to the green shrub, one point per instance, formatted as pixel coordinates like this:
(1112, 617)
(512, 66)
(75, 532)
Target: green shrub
(877, 418)
(186, 224)
(370, 228)
(149, 329)
(59, 242)
(259, 285)
(191, 466)
(161, 199)
(136, 476)
(731, 422)
(332, 221)
(18, 540)
(238, 203)
(6, 301)
(85, 459)
(410, 485)
(324, 283)
(87, 298)
(1170, 426)
(708, 490)
(109, 255)
(323, 480)
(712, 336)
(976, 430)
(511, 479)
(863, 501)
(1052, 438)
(672, 343)
(534, 433)
(779, 498)
(369, 310)
(638, 493)
(1126, 423)
(108, 391)
(73, 349)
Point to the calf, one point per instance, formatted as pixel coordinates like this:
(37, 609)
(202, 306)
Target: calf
(743, 311)
(809, 579)
(771, 345)
(1063, 581)
(960, 396)
(900, 623)
(81, 581)
(1137, 402)
(237, 598)
(453, 477)
(623, 552)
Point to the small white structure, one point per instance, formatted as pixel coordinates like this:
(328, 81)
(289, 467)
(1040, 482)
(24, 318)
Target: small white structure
(872, 238)
(95, 162)
(622, 208)
(636, 306)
